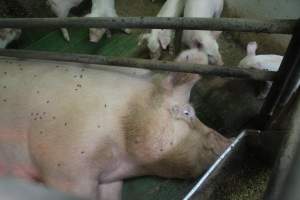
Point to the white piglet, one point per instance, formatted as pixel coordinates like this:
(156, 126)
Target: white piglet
(204, 40)
(62, 9)
(268, 62)
(193, 56)
(7, 35)
(160, 39)
(100, 8)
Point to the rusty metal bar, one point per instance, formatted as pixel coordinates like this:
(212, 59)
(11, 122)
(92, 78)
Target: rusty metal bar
(142, 63)
(283, 26)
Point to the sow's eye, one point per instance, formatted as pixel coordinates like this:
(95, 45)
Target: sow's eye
(185, 112)
(188, 111)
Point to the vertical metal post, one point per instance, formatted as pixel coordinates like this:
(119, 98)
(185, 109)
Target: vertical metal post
(285, 82)
(285, 176)
(177, 41)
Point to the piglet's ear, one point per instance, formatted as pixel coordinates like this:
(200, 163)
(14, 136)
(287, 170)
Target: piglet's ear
(251, 48)
(178, 79)
(216, 34)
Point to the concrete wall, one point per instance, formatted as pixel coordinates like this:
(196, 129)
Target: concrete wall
(264, 9)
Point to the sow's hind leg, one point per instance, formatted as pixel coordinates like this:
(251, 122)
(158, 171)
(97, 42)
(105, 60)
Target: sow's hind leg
(14, 156)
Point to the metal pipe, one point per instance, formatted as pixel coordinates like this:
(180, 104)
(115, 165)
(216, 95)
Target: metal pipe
(290, 189)
(283, 171)
(142, 63)
(283, 26)
(201, 186)
(286, 82)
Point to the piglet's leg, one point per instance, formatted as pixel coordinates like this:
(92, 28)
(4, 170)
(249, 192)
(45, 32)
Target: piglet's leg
(61, 11)
(163, 37)
(102, 8)
(110, 191)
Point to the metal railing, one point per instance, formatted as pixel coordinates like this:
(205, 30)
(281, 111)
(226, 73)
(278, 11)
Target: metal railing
(282, 26)
(143, 64)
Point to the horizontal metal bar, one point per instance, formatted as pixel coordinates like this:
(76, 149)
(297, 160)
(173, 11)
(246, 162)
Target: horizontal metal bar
(142, 63)
(283, 26)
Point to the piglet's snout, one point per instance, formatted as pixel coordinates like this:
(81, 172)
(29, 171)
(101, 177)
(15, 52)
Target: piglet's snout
(220, 62)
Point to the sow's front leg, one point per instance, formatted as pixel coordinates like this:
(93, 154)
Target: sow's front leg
(110, 191)
(82, 187)
(89, 188)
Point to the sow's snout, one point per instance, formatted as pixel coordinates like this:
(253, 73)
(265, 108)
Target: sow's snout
(208, 146)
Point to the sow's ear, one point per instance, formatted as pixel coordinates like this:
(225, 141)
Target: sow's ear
(180, 83)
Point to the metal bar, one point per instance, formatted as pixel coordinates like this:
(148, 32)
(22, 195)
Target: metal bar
(142, 63)
(283, 26)
(286, 82)
(290, 189)
(282, 173)
(214, 170)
